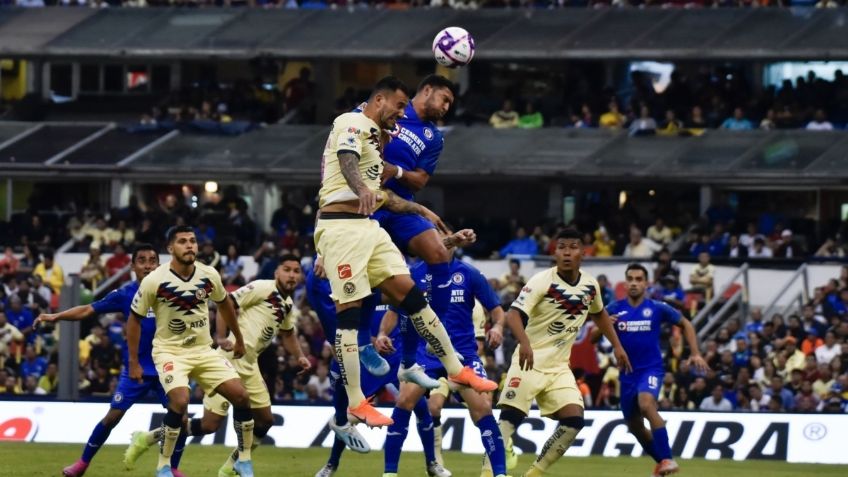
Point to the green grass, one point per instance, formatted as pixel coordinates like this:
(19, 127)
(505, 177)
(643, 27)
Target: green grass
(37, 460)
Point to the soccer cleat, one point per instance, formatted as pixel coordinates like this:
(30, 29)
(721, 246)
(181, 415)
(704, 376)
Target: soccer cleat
(138, 445)
(373, 362)
(533, 471)
(77, 469)
(326, 471)
(667, 467)
(350, 436)
(511, 456)
(244, 468)
(177, 473)
(165, 471)
(415, 374)
(435, 469)
(366, 413)
(227, 471)
(656, 472)
(467, 377)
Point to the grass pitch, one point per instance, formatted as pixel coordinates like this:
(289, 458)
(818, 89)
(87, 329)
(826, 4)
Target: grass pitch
(47, 460)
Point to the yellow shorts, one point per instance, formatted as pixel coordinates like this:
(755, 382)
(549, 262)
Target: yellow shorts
(358, 256)
(443, 389)
(253, 382)
(201, 363)
(552, 391)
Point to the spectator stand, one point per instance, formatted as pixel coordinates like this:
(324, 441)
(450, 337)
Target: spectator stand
(731, 301)
(796, 298)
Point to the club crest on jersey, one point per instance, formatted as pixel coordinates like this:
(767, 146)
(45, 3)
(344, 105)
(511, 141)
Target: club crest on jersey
(587, 300)
(200, 294)
(647, 312)
(349, 288)
(428, 133)
(458, 278)
(345, 271)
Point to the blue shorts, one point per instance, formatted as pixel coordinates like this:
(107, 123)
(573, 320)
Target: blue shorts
(369, 383)
(434, 368)
(129, 391)
(632, 384)
(402, 227)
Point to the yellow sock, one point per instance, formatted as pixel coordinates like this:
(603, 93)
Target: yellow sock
(169, 441)
(428, 325)
(347, 354)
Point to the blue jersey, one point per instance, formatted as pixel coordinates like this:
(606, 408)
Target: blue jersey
(638, 330)
(466, 283)
(415, 144)
(119, 301)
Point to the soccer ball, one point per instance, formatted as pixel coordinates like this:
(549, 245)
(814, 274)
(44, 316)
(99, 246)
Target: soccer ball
(453, 47)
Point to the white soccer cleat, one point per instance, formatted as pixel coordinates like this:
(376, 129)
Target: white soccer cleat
(350, 436)
(416, 375)
(435, 469)
(326, 471)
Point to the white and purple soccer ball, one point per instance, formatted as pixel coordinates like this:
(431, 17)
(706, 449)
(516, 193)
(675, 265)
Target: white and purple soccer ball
(453, 47)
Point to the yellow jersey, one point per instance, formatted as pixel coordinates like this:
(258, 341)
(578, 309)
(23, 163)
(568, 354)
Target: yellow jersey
(263, 312)
(357, 134)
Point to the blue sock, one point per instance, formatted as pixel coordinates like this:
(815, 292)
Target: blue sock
(439, 296)
(97, 438)
(493, 443)
(340, 403)
(661, 447)
(410, 339)
(178, 450)
(425, 430)
(336, 453)
(395, 436)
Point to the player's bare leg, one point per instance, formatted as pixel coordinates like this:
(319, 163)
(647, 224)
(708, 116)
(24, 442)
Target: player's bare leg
(401, 290)
(570, 419)
(263, 419)
(653, 441)
(234, 391)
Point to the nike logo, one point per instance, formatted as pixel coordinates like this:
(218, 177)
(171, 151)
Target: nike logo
(445, 285)
(390, 433)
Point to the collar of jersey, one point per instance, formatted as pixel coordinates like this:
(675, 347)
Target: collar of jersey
(186, 280)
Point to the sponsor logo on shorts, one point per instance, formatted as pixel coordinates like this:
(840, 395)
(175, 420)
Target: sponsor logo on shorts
(514, 382)
(169, 366)
(118, 397)
(428, 133)
(225, 406)
(169, 379)
(177, 326)
(349, 288)
(510, 394)
(200, 294)
(345, 271)
(458, 278)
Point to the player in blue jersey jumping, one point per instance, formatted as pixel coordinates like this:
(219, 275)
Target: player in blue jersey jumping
(144, 260)
(637, 323)
(464, 285)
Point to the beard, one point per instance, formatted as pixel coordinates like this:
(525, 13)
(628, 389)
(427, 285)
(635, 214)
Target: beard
(187, 258)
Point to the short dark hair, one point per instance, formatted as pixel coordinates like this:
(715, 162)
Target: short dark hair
(288, 257)
(48, 254)
(437, 81)
(141, 248)
(389, 84)
(171, 234)
(636, 266)
(569, 233)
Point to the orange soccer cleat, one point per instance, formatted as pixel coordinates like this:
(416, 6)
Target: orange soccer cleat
(368, 414)
(467, 377)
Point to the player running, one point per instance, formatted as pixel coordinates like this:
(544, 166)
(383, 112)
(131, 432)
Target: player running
(265, 310)
(144, 260)
(637, 323)
(465, 285)
(177, 293)
(554, 304)
(359, 255)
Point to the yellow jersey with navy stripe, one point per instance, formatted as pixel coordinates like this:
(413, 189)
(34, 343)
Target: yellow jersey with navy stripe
(555, 311)
(263, 311)
(180, 306)
(357, 134)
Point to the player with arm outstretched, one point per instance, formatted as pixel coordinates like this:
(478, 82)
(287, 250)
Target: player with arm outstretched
(554, 304)
(359, 255)
(144, 260)
(637, 321)
(177, 292)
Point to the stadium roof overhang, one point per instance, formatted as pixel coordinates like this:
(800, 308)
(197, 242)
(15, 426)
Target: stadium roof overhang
(660, 34)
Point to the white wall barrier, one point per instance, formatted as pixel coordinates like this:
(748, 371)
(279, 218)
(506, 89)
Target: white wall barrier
(812, 438)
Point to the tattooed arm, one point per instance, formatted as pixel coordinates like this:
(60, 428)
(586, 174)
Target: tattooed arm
(398, 204)
(349, 164)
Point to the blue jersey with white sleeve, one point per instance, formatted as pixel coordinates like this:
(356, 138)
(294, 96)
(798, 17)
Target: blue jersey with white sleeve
(466, 283)
(638, 329)
(415, 144)
(119, 301)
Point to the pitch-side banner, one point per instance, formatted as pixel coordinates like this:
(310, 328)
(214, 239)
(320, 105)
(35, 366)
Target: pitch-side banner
(815, 438)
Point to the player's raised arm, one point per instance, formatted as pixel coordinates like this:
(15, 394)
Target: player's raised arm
(516, 325)
(414, 180)
(698, 361)
(77, 313)
(400, 205)
(604, 323)
(459, 239)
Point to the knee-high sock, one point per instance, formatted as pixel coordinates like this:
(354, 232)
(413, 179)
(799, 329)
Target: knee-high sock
(363, 336)
(340, 403)
(395, 436)
(427, 325)
(347, 354)
(556, 446)
(243, 425)
(437, 445)
(97, 438)
(661, 445)
(233, 457)
(178, 450)
(410, 341)
(169, 441)
(493, 444)
(425, 429)
(439, 288)
(507, 430)
(336, 453)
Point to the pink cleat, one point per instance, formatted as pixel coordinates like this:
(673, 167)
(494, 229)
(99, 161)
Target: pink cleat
(177, 473)
(77, 469)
